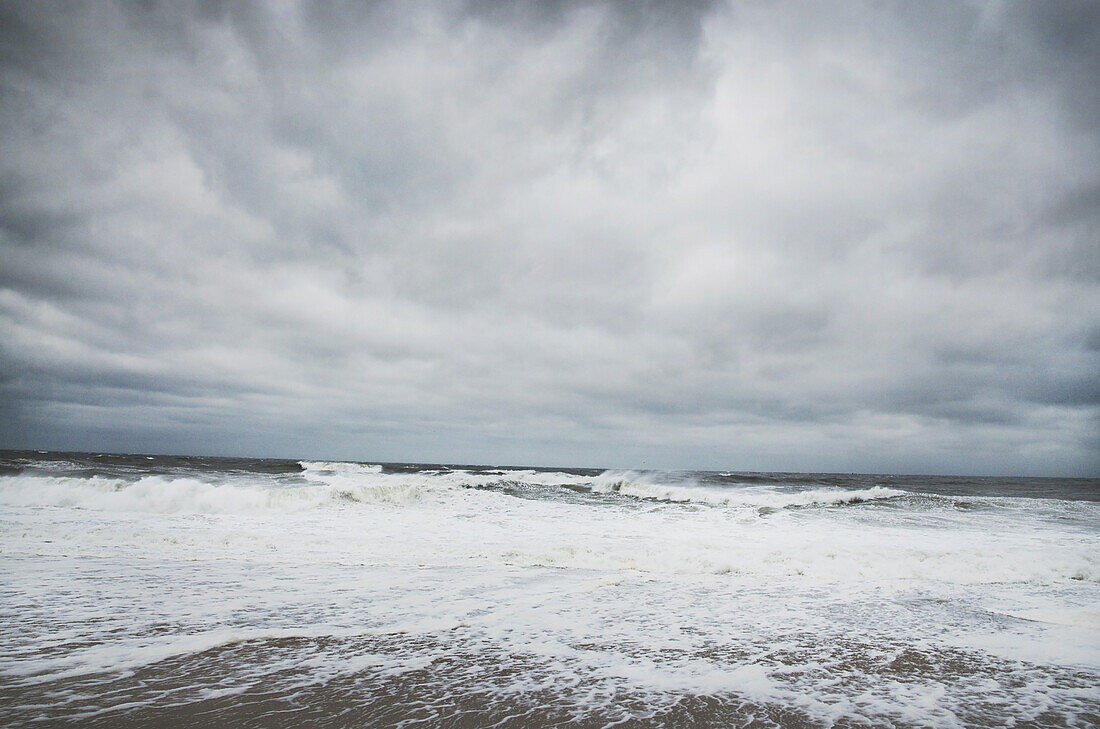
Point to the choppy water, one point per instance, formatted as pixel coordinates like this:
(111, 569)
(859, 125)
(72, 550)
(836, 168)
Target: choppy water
(145, 591)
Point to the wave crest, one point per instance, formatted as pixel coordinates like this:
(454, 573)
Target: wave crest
(334, 484)
(182, 495)
(341, 467)
(643, 486)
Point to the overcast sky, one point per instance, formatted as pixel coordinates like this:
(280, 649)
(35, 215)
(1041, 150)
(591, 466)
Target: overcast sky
(783, 236)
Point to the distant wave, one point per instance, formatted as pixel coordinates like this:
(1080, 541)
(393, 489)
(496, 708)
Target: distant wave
(322, 484)
(342, 467)
(470, 518)
(326, 483)
(644, 486)
(182, 495)
(155, 494)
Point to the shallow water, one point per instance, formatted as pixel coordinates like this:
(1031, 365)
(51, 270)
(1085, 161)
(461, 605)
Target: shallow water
(140, 591)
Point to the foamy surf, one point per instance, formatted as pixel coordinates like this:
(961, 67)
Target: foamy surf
(177, 587)
(339, 467)
(647, 487)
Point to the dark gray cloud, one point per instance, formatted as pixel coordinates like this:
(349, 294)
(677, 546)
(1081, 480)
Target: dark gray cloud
(781, 236)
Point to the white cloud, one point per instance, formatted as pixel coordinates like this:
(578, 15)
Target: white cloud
(736, 237)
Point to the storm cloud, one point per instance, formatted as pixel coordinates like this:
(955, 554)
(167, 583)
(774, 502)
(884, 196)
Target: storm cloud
(787, 236)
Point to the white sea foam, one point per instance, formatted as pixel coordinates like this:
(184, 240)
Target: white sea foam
(333, 484)
(341, 467)
(184, 495)
(159, 494)
(407, 518)
(762, 592)
(1082, 617)
(646, 486)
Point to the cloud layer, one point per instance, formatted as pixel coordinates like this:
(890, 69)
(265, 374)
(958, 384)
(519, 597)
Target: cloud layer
(786, 237)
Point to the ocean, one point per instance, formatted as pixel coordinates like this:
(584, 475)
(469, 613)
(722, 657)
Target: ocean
(184, 591)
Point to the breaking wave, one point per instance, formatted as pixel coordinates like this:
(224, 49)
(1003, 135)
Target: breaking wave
(320, 484)
(323, 484)
(620, 520)
(183, 495)
(338, 467)
(629, 483)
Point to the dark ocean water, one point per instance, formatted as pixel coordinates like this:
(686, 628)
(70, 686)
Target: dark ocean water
(169, 590)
